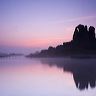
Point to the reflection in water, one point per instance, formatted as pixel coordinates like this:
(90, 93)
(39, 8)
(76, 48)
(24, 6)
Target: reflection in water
(20, 76)
(84, 73)
(28, 77)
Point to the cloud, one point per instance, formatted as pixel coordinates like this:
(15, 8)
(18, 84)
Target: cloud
(82, 18)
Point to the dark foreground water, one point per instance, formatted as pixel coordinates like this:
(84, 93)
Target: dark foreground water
(20, 76)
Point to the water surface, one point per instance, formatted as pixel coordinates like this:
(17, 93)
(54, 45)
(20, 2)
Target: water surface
(20, 76)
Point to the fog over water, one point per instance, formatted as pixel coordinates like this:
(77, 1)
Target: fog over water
(23, 50)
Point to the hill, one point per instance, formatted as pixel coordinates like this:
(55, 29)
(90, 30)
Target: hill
(83, 42)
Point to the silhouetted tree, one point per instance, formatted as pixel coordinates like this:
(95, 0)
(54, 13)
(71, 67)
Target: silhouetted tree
(91, 34)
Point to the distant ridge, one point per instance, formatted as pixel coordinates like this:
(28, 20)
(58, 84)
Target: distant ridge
(82, 43)
(9, 55)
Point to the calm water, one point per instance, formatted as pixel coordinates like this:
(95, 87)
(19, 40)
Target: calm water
(20, 76)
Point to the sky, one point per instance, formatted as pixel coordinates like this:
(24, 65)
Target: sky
(36, 24)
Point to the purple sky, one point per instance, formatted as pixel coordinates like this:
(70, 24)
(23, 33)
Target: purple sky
(37, 24)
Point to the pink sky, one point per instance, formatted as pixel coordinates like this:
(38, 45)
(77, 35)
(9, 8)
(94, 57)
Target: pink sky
(43, 23)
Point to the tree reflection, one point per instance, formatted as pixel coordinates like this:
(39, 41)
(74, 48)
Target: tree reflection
(83, 70)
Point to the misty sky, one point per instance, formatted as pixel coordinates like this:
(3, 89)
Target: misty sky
(37, 24)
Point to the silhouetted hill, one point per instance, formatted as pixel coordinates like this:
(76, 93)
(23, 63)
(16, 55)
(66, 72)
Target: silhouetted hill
(83, 42)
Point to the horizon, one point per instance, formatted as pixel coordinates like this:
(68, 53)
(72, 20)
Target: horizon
(31, 25)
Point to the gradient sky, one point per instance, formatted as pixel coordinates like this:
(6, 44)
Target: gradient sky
(41, 23)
